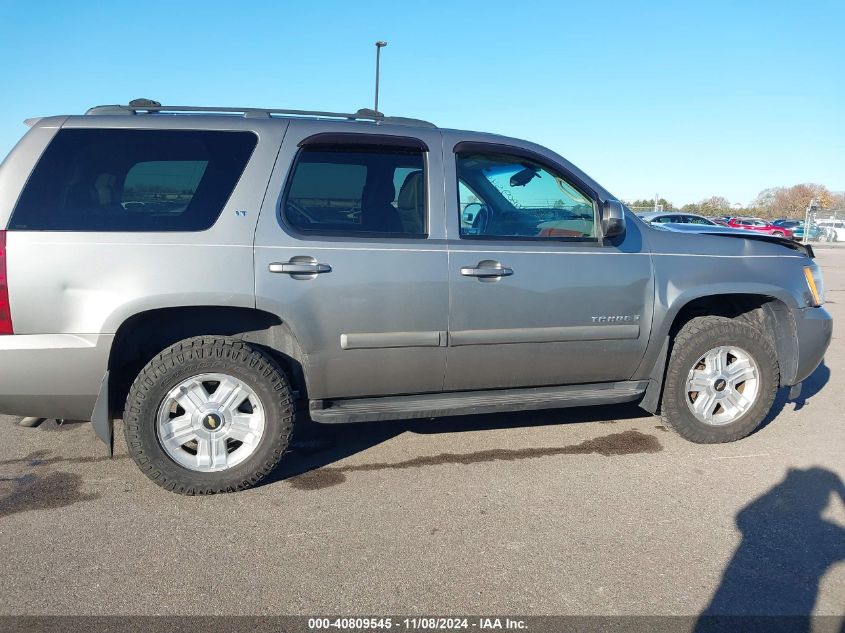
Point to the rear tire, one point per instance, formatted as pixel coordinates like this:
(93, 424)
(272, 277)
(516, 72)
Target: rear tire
(737, 408)
(227, 447)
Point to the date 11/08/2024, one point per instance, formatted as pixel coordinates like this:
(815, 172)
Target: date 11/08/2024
(418, 624)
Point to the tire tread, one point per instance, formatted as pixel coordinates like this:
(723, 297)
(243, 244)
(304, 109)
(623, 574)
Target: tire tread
(699, 333)
(205, 348)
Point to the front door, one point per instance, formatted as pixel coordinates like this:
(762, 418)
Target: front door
(349, 252)
(536, 297)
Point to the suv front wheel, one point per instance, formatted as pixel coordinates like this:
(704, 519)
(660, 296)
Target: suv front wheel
(209, 415)
(721, 380)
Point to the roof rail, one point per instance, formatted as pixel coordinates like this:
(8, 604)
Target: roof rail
(148, 106)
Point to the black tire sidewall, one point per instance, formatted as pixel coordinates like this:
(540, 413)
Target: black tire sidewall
(694, 340)
(192, 358)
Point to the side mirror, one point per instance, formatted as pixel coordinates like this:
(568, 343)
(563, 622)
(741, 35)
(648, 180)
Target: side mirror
(613, 219)
(470, 211)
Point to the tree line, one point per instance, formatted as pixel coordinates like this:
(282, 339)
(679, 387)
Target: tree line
(777, 202)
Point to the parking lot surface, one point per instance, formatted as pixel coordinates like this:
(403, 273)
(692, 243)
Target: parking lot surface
(579, 511)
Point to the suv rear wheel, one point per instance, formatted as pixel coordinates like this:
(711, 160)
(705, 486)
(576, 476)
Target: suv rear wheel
(209, 415)
(721, 381)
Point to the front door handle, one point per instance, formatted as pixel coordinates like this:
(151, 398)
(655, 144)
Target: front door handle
(486, 268)
(300, 266)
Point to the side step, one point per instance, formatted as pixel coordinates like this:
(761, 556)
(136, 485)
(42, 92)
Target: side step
(434, 405)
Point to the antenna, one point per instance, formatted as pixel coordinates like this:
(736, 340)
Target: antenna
(379, 45)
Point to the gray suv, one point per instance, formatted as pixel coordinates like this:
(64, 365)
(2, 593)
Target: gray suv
(206, 273)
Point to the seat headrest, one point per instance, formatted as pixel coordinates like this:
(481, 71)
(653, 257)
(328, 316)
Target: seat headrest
(411, 191)
(106, 187)
(380, 194)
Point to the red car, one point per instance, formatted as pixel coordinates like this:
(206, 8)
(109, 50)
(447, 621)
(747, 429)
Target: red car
(760, 226)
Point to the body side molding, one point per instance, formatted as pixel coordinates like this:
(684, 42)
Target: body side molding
(544, 334)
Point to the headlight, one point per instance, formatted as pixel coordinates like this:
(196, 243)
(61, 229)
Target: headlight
(815, 284)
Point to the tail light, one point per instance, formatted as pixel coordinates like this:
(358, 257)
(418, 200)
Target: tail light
(5, 309)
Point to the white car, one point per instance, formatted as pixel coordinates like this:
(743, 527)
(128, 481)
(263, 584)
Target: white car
(835, 229)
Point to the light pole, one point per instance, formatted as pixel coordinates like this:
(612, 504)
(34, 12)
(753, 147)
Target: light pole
(379, 45)
(807, 219)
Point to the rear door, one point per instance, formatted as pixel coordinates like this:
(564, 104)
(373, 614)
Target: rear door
(350, 253)
(537, 297)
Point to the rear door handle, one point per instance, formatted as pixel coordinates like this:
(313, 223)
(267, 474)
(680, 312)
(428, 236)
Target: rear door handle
(487, 268)
(299, 267)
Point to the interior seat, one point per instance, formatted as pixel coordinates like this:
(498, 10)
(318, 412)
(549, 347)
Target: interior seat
(410, 203)
(377, 211)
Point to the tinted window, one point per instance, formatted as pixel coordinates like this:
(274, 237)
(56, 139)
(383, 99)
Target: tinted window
(691, 219)
(469, 204)
(509, 196)
(357, 190)
(133, 180)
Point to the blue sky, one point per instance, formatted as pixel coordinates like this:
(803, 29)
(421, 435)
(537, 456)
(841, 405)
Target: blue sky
(683, 99)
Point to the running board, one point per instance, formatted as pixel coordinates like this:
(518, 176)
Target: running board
(434, 405)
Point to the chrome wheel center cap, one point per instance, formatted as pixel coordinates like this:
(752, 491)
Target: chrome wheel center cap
(720, 384)
(212, 422)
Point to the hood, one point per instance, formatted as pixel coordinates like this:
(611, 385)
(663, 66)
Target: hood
(726, 231)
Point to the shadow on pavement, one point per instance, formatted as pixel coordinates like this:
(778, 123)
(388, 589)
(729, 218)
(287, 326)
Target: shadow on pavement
(811, 386)
(787, 546)
(317, 446)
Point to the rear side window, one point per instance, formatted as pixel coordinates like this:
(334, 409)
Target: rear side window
(133, 180)
(357, 190)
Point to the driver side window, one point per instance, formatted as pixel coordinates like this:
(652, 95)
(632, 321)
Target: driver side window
(504, 196)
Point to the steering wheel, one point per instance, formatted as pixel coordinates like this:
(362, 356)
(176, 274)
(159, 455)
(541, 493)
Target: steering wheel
(481, 220)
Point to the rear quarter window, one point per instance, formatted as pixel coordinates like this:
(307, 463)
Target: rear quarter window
(132, 180)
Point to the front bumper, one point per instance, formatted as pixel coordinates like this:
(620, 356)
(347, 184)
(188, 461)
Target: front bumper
(814, 329)
(52, 375)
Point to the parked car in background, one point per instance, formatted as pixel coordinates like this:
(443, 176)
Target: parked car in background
(661, 217)
(787, 223)
(835, 229)
(815, 233)
(721, 221)
(760, 226)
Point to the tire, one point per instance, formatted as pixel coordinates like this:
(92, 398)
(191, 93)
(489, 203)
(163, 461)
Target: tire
(152, 410)
(777, 233)
(698, 338)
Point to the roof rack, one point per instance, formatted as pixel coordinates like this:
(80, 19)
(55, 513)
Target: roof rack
(148, 106)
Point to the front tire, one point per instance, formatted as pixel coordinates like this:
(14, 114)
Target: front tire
(209, 415)
(721, 380)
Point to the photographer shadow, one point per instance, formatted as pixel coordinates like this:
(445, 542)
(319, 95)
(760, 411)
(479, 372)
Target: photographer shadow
(772, 581)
